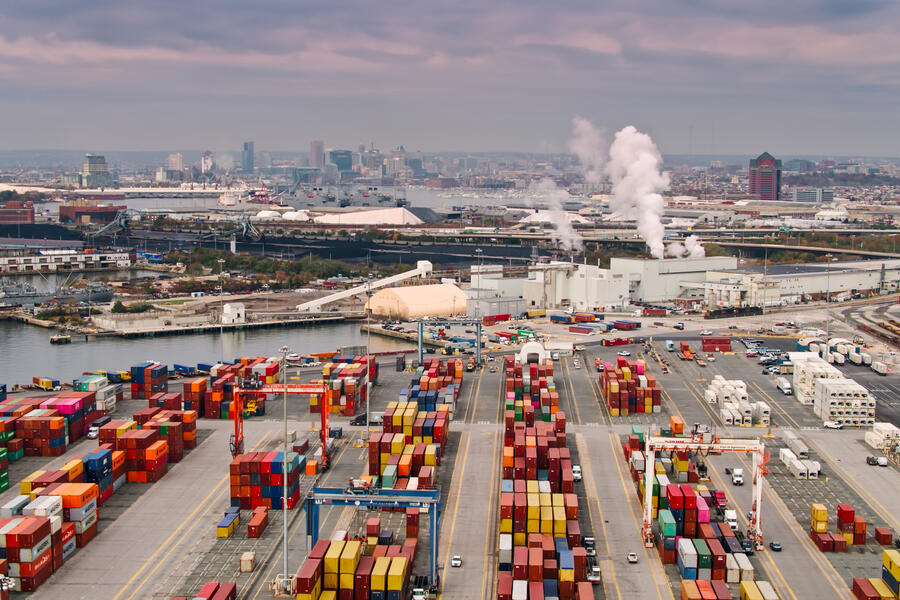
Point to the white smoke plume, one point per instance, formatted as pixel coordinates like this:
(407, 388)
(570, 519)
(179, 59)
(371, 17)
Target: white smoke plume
(565, 235)
(634, 169)
(692, 248)
(588, 145)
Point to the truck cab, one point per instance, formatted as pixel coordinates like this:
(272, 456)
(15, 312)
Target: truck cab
(721, 501)
(679, 326)
(731, 518)
(737, 477)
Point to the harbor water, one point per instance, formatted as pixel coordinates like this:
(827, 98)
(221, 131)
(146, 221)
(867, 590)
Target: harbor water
(27, 351)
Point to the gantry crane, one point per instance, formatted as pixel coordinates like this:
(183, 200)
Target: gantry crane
(708, 443)
(307, 389)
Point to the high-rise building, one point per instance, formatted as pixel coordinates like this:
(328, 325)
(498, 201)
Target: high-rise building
(247, 158)
(342, 159)
(765, 177)
(175, 162)
(317, 154)
(807, 194)
(94, 172)
(207, 162)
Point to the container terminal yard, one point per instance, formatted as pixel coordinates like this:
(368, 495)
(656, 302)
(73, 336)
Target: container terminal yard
(166, 530)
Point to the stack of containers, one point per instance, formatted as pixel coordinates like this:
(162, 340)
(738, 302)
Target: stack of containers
(710, 343)
(193, 392)
(256, 479)
(851, 526)
(216, 400)
(704, 590)
(110, 432)
(76, 408)
(43, 435)
(170, 431)
(4, 470)
(80, 505)
(149, 378)
(214, 590)
(808, 367)
(26, 543)
(98, 469)
(107, 397)
(843, 401)
(890, 570)
(531, 386)
(539, 539)
(435, 383)
(409, 448)
(260, 368)
(146, 459)
(347, 377)
(626, 388)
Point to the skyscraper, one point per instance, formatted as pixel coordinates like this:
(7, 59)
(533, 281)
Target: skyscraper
(765, 177)
(175, 162)
(94, 172)
(207, 162)
(343, 159)
(317, 154)
(247, 158)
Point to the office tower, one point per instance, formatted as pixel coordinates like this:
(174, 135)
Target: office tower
(175, 162)
(94, 172)
(765, 177)
(342, 159)
(247, 158)
(317, 154)
(207, 162)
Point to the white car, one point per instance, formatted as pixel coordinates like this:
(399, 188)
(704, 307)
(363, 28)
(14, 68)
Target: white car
(706, 332)
(832, 425)
(623, 353)
(632, 557)
(576, 472)
(456, 561)
(576, 364)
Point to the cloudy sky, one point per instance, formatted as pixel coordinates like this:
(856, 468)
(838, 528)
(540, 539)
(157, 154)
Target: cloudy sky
(701, 76)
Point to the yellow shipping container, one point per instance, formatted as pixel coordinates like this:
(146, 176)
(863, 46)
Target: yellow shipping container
(819, 526)
(397, 574)
(519, 539)
(545, 499)
(25, 484)
(430, 455)
(328, 595)
(890, 559)
(848, 537)
(558, 500)
(531, 487)
(378, 580)
(749, 591)
(567, 574)
(614, 412)
(350, 557)
(506, 525)
(818, 512)
(333, 557)
(532, 526)
(882, 589)
(345, 581)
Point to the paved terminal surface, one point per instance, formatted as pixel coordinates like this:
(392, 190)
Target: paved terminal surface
(158, 541)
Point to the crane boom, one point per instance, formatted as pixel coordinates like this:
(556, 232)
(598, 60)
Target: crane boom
(710, 444)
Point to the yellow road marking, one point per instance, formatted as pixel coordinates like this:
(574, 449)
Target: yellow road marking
(165, 543)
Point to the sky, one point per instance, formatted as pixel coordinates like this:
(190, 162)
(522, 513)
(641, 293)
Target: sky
(701, 76)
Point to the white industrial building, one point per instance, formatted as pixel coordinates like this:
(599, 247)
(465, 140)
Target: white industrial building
(662, 280)
(554, 285)
(791, 284)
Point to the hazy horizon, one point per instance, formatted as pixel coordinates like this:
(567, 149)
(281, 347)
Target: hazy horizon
(802, 78)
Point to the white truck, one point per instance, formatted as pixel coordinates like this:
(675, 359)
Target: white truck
(737, 477)
(784, 385)
(879, 367)
(731, 518)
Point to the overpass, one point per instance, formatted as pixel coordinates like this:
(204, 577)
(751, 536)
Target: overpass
(423, 269)
(816, 249)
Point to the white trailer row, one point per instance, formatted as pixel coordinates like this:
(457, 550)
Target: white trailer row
(808, 367)
(799, 468)
(843, 401)
(745, 414)
(883, 435)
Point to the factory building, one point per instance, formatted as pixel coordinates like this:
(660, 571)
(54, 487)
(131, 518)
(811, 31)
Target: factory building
(664, 280)
(780, 285)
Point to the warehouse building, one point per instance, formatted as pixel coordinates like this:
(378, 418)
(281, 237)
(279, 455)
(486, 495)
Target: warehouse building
(664, 280)
(779, 285)
(416, 301)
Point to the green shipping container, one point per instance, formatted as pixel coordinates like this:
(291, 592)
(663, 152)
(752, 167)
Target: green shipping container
(704, 556)
(666, 523)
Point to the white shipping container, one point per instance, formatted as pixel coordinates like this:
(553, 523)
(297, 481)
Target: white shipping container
(687, 552)
(855, 358)
(785, 455)
(747, 573)
(812, 468)
(520, 590)
(797, 469)
(766, 590)
(505, 546)
(732, 569)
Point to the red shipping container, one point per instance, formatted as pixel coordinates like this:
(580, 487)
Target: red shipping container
(863, 590)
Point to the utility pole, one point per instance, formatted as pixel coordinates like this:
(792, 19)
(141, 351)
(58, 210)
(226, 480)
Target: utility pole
(284, 350)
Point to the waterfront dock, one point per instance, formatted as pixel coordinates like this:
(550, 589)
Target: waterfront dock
(399, 335)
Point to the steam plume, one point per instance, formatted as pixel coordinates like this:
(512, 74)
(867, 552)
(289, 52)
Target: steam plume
(634, 168)
(692, 248)
(565, 235)
(588, 145)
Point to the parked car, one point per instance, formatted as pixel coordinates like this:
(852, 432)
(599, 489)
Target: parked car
(632, 557)
(623, 353)
(877, 460)
(359, 420)
(576, 472)
(775, 546)
(832, 425)
(456, 561)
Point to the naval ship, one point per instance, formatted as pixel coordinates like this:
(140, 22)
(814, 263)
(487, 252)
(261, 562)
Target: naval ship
(12, 292)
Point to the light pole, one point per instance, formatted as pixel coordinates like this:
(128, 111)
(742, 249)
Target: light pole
(221, 289)
(284, 350)
(368, 310)
(831, 259)
(265, 287)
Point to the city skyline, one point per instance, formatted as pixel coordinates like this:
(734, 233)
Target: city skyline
(801, 79)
